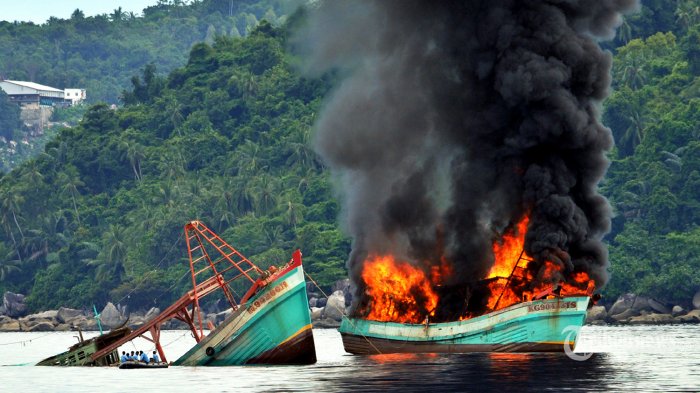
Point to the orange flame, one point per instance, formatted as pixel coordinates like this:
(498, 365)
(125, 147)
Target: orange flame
(398, 291)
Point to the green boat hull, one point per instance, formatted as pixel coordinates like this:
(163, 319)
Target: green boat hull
(550, 325)
(273, 327)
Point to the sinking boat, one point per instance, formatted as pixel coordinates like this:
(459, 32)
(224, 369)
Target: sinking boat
(546, 325)
(81, 354)
(272, 327)
(269, 324)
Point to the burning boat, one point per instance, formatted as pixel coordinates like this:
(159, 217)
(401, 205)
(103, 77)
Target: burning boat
(270, 322)
(502, 313)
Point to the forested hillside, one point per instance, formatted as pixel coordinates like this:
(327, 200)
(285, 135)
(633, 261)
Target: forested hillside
(101, 53)
(225, 139)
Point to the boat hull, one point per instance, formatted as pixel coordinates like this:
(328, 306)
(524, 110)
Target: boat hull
(273, 327)
(550, 325)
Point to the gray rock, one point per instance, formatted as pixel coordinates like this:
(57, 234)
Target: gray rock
(659, 307)
(335, 307)
(696, 299)
(348, 298)
(14, 304)
(50, 314)
(677, 310)
(341, 285)
(312, 302)
(10, 325)
(152, 313)
(641, 303)
(596, 313)
(85, 323)
(623, 303)
(110, 316)
(310, 295)
(65, 315)
(2, 309)
(136, 321)
(625, 315)
(316, 313)
(691, 317)
(651, 319)
(62, 327)
(321, 302)
(41, 327)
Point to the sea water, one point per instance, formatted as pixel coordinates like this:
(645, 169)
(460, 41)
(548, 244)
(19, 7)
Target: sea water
(625, 358)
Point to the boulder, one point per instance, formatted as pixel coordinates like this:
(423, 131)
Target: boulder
(691, 317)
(677, 310)
(50, 315)
(624, 316)
(321, 302)
(623, 303)
(41, 327)
(341, 285)
(316, 313)
(152, 313)
(9, 325)
(136, 321)
(62, 327)
(2, 309)
(696, 299)
(65, 315)
(641, 303)
(651, 319)
(110, 316)
(335, 307)
(596, 313)
(14, 304)
(85, 323)
(312, 302)
(659, 307)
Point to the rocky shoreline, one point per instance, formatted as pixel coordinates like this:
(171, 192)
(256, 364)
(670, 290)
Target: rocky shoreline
(629, 309)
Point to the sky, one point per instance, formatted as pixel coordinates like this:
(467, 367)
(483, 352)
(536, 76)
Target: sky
(38, 11)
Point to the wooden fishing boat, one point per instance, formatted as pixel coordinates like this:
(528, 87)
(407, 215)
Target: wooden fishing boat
(81, 354)
(546, 325)
(269, 324)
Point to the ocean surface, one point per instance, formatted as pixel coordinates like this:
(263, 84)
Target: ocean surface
(641, 358)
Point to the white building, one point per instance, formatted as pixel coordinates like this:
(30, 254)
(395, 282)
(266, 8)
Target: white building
(75, 96)
(32, 94)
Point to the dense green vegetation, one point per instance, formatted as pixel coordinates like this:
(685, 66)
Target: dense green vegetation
(101, 53)
(654, 181)
(225, 139)
(9, 117)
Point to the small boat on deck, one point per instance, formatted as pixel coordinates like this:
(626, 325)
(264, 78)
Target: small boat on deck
(133, 364)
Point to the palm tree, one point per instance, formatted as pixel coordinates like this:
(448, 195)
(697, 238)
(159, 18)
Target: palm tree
(634, 134)
(10, 201)
(266, 192)
(33, 175)
(109, 262)
(70, 181)
(8, 264)
(134, 153)
(625, 32)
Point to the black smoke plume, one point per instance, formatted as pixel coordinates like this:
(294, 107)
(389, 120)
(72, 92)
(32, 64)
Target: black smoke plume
(455, 118)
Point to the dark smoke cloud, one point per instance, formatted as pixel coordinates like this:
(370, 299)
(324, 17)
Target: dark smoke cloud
(454, 118)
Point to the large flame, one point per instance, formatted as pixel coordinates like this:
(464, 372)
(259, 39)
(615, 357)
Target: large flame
(398, 291)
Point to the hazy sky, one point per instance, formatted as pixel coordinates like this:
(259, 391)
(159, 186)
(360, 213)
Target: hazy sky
(38, 11)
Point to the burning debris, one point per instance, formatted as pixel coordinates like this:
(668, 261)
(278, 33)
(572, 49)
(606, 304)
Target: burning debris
(465, 135)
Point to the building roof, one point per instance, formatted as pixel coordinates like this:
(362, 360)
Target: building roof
(34, 86)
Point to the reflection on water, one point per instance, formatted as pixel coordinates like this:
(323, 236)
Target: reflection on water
(650, 358)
